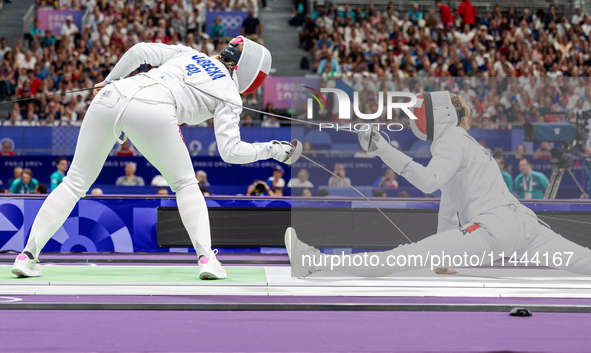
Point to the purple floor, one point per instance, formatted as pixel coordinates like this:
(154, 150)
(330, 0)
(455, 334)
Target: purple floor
(291, 299)
(117, 331)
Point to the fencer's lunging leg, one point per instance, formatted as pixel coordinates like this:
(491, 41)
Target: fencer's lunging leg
(53, 213)
(432, 252)
(488, 236)
(195, 217)
(550, 248)
(95, 141)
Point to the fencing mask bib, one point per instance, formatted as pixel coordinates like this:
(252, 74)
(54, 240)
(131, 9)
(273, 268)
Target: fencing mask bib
(252, 64)
(433, 108)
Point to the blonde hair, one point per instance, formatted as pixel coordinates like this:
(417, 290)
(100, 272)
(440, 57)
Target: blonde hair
(230, 64)
(459, 103)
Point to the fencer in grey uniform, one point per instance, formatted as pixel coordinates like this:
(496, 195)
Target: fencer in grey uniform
(477, 213)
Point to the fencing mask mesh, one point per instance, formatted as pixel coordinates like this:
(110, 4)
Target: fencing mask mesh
(433, 109)
(253, 66)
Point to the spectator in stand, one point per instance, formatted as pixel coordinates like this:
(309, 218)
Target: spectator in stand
(48, 40)
(35, 82)
(69, 28)
(276, 180)
(96, 191)
(162, 191)
(578, 16)
(329, 65)
(259, 188)
(447, 18)
(201, 176)
(530, 184)
(308, 150)
(301, 181)
(380, 193)
(7, 149)
(27, 62)
(342, 180)
(467, 12)
(403, 194)
(507, 178)
(41, 189)
(14, 119)
(269, 120)
(247, 120)
(130, 179)
(57, 177)
(218, 32)
(16, 174)
(387, 181)
(543, 152)
(415, 15)
(7, 78)
(520, 152)
(125, 150)
(4, 48)
(252, 28)
(306, 193)
(26, 184)
(35, 32)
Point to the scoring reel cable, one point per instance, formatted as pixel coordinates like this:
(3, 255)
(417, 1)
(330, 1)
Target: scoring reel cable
(310, 160)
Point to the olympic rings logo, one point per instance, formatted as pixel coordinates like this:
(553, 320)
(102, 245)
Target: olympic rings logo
(232, 22)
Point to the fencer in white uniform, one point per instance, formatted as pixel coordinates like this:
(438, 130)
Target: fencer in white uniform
(477, 213)
(186, 87)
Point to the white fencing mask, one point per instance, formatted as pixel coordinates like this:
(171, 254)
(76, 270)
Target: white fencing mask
(252, 64)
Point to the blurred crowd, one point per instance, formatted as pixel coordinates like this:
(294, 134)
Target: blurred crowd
(506, 63)
(495, 102)
(43, 64)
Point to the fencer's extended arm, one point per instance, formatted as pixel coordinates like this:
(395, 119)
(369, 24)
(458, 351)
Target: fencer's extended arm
(154, 54)
(227, 133)
(442, 167)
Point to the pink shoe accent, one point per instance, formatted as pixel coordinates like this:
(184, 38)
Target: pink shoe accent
(22, 257)
(203, 260)
(205, 276)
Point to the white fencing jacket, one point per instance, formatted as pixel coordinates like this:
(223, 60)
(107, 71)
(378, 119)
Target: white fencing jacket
(180, 69)
(467, 175)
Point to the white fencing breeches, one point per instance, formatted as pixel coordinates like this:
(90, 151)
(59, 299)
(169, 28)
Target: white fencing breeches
(501, 231)
(154, 131)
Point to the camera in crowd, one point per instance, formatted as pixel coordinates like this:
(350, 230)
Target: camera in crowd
(570, 138)
(259, 188)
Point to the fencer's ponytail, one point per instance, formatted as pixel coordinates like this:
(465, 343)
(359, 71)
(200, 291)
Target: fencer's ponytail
(459, 104)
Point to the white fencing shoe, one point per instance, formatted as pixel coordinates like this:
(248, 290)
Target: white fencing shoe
(211, 268)
(301, 255)
(25, 265)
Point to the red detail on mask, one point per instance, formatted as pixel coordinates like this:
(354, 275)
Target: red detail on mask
(261, 77)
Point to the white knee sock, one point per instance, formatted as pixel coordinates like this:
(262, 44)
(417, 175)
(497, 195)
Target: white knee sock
(54, 212)
(195, 218)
